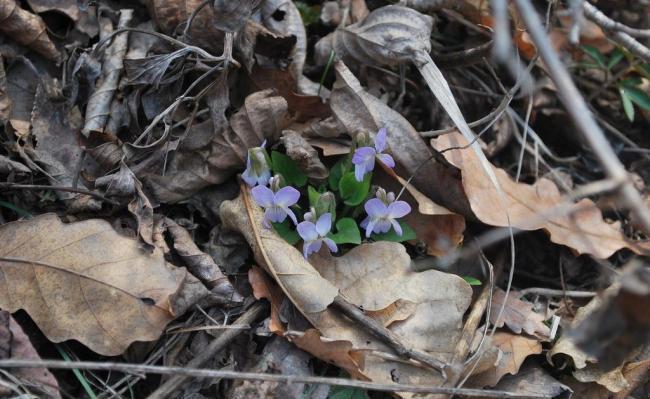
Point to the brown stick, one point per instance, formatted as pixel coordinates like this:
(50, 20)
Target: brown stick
(171, 385)
(59, 188)
(236, 375)
(386, 336)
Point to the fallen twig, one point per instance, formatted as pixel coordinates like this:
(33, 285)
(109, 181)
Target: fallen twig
(58, 188)
(605, 22)
(183, 373)
(583, 119)
(187, 372)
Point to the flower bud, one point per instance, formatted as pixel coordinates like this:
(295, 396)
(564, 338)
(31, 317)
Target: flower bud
(277, 182)
(362, 139)
(326, 203)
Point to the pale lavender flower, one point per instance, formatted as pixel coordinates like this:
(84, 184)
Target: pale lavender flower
(276, 204)
(314, 235)
(364, 157)
(257, 170)
(383, 214)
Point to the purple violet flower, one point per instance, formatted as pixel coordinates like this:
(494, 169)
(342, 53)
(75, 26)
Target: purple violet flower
(364, 157)
(314, 235)
(383, 212)
(257, 170)
(276, 205)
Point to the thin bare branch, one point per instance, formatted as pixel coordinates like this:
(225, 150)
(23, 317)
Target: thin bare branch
(605, 22)
(186, 372)
(577, 108)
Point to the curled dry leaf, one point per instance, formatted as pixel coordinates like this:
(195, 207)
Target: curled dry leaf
(428, 315)
(9, 166)
(304, 154)
(619, 325)
(171, 15)
(303, 106)
(513, 350)
(263, 287)
(5, 101)
(387, 36)
(55, 125)
(70, 8)
(200, 264)
(27, 29)
(84, 281)
(518, 315)
(283, 17)
(533, 380)
(262, 117)
(14, 343)
(99, 103)
(531, 207)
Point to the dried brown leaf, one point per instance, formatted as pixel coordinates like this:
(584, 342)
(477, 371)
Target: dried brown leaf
(84, 281)
(99, 103)
(5, 101)
(263, 117)
(283, 17)
(530, 206)
(27, 29)
(514, 350)
(14, 343)
(304, 154)
(200, 264)
(55, 125)
(8, 166)
(387, 36)
(518, 315)
(339, 353)
(533, 380)
(171, 15)
(264, 287)
(68, 7)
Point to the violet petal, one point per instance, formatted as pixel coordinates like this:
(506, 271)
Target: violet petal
(386, 160)
(263, 196)
(375, 208)
(396, 226)
(307, 231)
(324, 224)
(398, 209)
(380, 140)
(287, 196)
(330, 244)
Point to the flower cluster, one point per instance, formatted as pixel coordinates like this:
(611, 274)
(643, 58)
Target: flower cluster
(271, 193)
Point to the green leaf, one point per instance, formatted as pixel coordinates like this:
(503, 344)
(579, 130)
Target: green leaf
(615, 58)
(638, 97)
(407, 234)
(309, 14)
(347, 393)
(472, 280)
(287, 231)
(288, 168)
(628, 107)
(595, 54)
(337, 171)
(353, 192)
(313, 195)
(347, 232)
(643, 69)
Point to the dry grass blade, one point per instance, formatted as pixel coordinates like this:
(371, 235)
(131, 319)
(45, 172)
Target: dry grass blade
(84, 281)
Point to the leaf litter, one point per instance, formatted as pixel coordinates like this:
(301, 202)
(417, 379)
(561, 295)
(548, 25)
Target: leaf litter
(123, 215)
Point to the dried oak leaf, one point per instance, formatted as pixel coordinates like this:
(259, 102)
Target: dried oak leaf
(387, 36)
(15, 344)
(514, 349)
(304, 154)
(437, 227)
(170, 15)
(27, 29)
(428, 314)
(518, 315)
(84, 281)
(530, 207)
